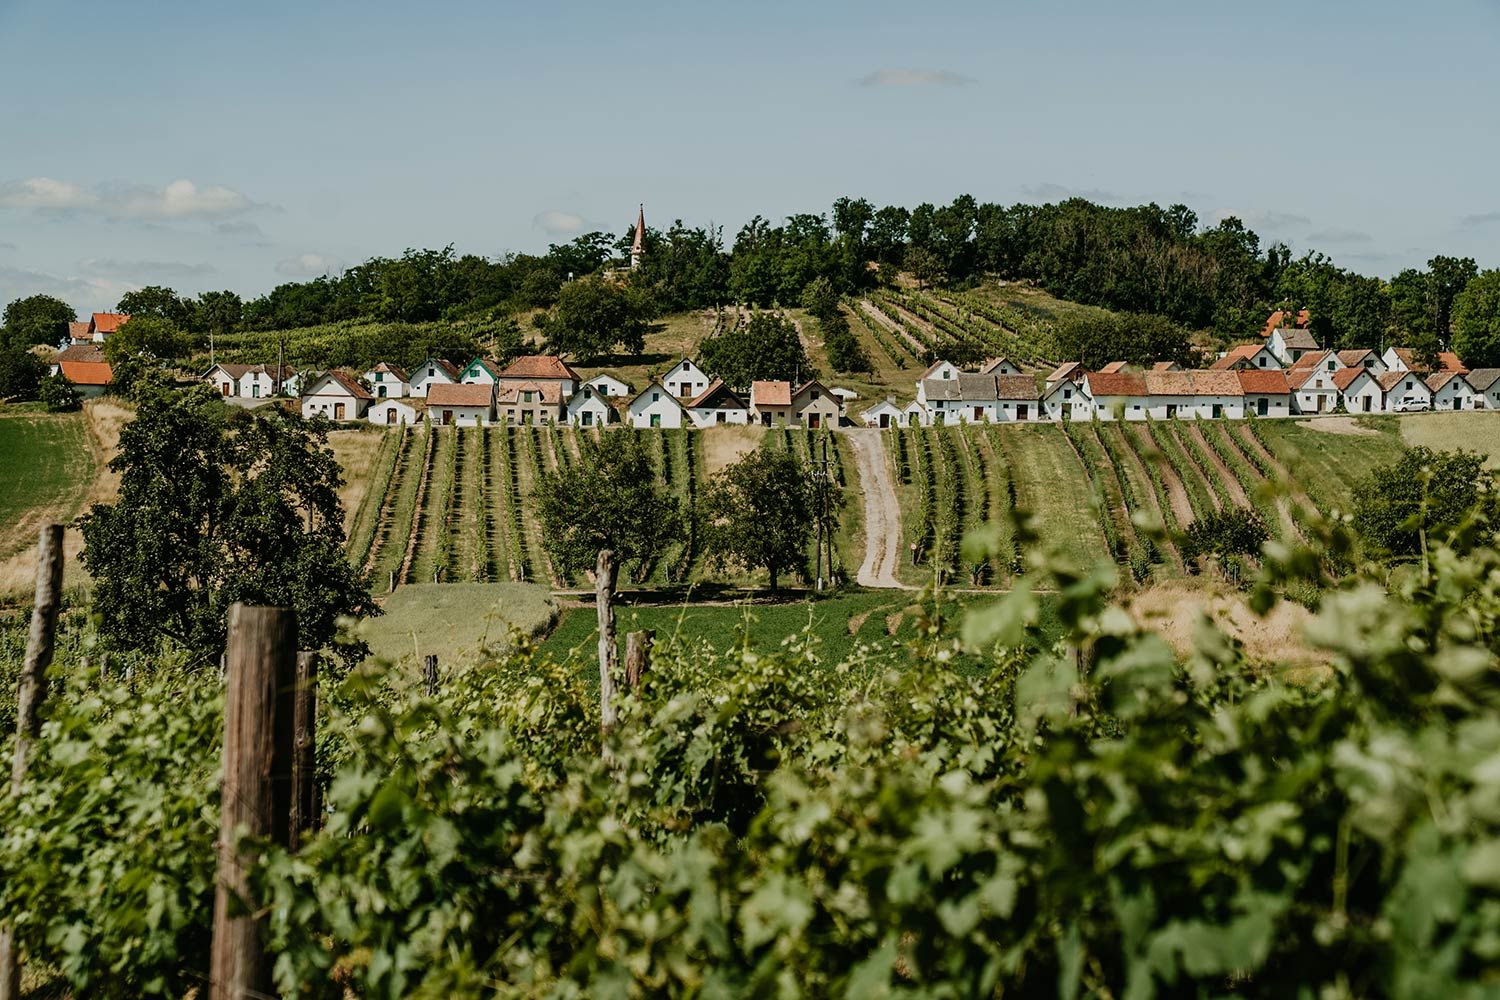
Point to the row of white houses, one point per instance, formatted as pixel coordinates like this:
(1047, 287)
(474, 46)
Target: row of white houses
(540, 389)
(1316, 382)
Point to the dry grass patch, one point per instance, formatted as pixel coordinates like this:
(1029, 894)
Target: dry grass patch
(1473, 431)
(1274, 642)
(1339, 425)
(723, 446)
(355, 452)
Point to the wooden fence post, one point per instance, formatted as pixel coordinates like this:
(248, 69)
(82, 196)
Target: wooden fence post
(305, 741)
(256, 797)
(429, 673)
(638, 656)
(604, 596)
(29, 697)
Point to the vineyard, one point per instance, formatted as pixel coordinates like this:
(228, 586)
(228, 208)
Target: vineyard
(1111, 488)
(455, 505)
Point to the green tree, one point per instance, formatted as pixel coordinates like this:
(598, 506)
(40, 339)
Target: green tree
(58, 394)
(21, 372)
(148, 336)
(757, 513)
(767, 347)
(1422, 499)
(820, 298)
(612, 498)
(925, 266)
(1233, 531)
(845, 353)
(1447, 277)
(219, 505)
(1476, 321)
(158, 302)
(37, 319)
(593, 315)
(217, 312)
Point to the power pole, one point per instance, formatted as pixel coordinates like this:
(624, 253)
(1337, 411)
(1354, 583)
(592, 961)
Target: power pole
(822, 482)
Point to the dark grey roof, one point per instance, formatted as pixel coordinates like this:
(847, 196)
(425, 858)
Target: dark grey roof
(941, 388)
(1298, 338)
(1482, 378)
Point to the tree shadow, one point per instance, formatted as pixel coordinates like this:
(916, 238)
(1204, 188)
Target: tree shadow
(621, 360)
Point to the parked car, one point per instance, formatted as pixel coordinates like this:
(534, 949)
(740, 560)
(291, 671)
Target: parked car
(1412, 404)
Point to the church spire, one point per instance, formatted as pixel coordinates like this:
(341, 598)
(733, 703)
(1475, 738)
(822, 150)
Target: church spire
(638, 246)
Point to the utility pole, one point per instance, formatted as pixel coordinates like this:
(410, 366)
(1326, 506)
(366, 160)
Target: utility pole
(822, 483)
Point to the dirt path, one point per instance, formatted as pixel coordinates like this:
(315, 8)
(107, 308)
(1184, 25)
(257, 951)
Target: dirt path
(1182, 507)
(1232, 485)
(917, 348)
(882, 512)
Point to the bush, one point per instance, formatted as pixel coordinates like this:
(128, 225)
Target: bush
(58, 394)
(1233, 531)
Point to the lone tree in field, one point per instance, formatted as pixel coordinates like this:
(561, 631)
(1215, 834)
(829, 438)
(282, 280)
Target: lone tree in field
(612, 498)
(218, 505)
(759, 512)
(1422, 499)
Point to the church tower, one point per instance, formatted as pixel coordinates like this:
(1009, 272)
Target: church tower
(638, 246)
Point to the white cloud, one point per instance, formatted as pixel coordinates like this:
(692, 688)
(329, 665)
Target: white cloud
(83, 294)
(555, 223)
(310, 265)
(1265, 220)
(146, 271)
(181, 199)
(914, 78)
(1478, 221)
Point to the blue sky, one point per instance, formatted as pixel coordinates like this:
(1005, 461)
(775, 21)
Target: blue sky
(231, 145)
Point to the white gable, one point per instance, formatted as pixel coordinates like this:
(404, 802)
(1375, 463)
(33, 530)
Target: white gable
(685, 379)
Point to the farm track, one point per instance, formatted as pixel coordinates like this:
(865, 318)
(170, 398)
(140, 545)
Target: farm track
(917, 348)
(883, 546)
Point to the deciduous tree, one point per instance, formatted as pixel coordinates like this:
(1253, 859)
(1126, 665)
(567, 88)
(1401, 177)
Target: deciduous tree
(767, 347)
(37, 319)
(1476, 322)
(148, 336)
(757, 513)
(1421, 499)
(593, 316)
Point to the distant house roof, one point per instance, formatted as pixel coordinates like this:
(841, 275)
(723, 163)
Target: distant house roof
(390, 369)
(78, 331)
(533, 366)
(1345, 377)
(1311, 359)
(1278, 319)
(772, 393)
(811, 384)
(1263, 383)
(988, 368)
(1166, 366)
(81, 352)
(548, 393)
(483, 364)
(232, 370)
(717, 396)
(1298, 338)
(1114, 367)
(1117, 384)
(1447, 360)
(85, 372)
(460, 394)
(1015, 387)
(665, 394)
(1239, 354)
(1390, 380)
(931, 368)
(1450, 362)
(107, 322)
(1483, 378)
(448, 368)
(1355, 357)
(1437, 380)
(1068, 369)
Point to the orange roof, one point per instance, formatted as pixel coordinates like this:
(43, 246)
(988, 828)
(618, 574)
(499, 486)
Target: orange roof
(1344, 377)
(1263, 382)
(78, 331)
(1237, 354)
(107, 322)
(1117, 384)
(770, 393)
(1299, 377)
(1390, 380)
(1312, 359)
(548, 393)
(459, 394)
(1450, 362)
(1447, 361)
(1278, 319)
(87, 372)
(539, 366)
(1114, 367)
(1067, 369)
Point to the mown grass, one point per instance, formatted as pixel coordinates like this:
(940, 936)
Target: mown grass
(1054, 487)
(875, 623)
(46, 472)
(455, 621)
(1330, 467)
(1471, 431)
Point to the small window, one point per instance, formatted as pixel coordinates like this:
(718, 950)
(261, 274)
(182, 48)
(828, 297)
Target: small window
(431, 371)
(655, 396)
(1067, 394)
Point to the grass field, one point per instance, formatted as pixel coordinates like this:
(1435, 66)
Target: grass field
(456, 621)
(1329, 466)
(46, 470)
(869, 623)
(1450, 431)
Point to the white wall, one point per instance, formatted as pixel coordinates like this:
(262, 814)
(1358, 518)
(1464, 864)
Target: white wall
(1454, 390)
(1353, 401)
(394, 387)
(596, 408)
(1276, 406)
(708, 417)
(463, 416)
(420, 379)
(667, 408)
(323, 403)
(389, 413)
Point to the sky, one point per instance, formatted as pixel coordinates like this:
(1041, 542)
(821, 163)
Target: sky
(212, 145)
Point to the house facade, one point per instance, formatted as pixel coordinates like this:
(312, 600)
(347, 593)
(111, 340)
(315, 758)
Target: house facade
(883, 414)
(335, 395)
(771, 402)
(608, 385)
(390, 411)
(433, 371)
(685, 380)
(546, 370)
(1265, 393)
(458, 404)
(656, 407)
(386, 381)
(1291, 343)
(522, 402)
(1404, 391)
(1450, 391)
(716, 405)
(591, 407)
(814, 406)
(1313, 390)
(478, 372)
(1486, 385)
(1358, 390)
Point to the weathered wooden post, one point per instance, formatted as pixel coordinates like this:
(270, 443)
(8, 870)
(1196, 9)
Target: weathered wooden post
(638, 656)
(29, 697)
(255, 800)
(392, 588)
(305, 755)
(429, 673)
(604, 597)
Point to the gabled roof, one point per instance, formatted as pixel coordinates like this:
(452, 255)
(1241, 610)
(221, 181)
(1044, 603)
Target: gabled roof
(637, 245)
(1296, 378)
(772, 393)
(85, 372)
(81, 352)
(547, 393)
(107, 322)
(344, 380)
(665, 394)
(1279, 318)
(1166, 366)
(1345, 377)
(233, 371)
(1312, 359)
(942, 388)
(1437, 380)
(931, 368)
(1239, 354)
(78, 331)
(717, 396)
(390, 369)
(1299, 338)
(1450, 362)
(1390, 380)
(1447, 360)
(1482, 378)
(1113, 367)
(447, 367)
(460, 394)
(976, 388)
(1117, 384)
(1356, 356)
(534, 366)
(480, 363)
(1015, 387)
(807, 386)
(683, 361)
(1263, 383)
(1068, 369)
(988, 368)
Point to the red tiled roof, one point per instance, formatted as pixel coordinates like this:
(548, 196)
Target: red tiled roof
(1165, 366)
(1449, 362)
(390, 369)
(1344, 377)
(1312, 359)
(1390, 380)
(1216, 383)
(1278, 319)
(1117, 384)
(1236, 354)
(1437, 380)
(78, 331)
(345, 381)
(1067, 369)
(1263, 382)
(539, 366)
(1015, 387)
(86, 372)
(1354, 357)
(772, 393)
(81, 352)
(1299, 377)
(548, 393)
(1113, 367)
(458, 394)
(107, 322)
